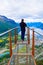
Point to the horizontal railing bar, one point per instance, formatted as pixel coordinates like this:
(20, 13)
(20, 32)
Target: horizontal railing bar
(35, 31)
(38, 48)
(7, 31)
(38, 33)
(15, 28)
(38, 55)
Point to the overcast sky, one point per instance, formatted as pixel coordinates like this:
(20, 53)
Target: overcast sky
(30, 10)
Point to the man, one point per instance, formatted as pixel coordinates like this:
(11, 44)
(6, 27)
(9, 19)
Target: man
(22, 25)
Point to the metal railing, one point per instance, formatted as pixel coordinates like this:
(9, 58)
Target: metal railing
(6, 46)
(33, 50)
(17, 56)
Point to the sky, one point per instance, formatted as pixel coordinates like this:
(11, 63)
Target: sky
(30, 10)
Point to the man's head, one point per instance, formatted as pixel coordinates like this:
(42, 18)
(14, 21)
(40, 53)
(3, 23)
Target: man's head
(22, 20)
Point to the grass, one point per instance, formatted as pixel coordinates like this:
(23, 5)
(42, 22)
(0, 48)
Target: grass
(1, 40)
(6, 56)
(39, 62)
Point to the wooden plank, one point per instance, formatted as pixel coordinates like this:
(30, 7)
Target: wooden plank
(22, 54)
(20, 42)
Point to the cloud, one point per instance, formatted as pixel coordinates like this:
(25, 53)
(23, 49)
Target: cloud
(31, 10)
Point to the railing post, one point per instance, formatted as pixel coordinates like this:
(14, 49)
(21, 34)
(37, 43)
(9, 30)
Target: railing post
(10, 41)
(15, 36)
(33, 42)
(28, 35)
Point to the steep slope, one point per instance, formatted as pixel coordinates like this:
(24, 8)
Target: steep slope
(6, 24)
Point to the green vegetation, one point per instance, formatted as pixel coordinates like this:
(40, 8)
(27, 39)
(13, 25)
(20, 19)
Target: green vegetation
(4, 43)
(4, 57)
(39, 62)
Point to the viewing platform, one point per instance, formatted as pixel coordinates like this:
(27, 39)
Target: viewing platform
(23, 53)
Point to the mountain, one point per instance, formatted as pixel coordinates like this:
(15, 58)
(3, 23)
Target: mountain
(35, 24)
(6, 24)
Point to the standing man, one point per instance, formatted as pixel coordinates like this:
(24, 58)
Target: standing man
(22, 26)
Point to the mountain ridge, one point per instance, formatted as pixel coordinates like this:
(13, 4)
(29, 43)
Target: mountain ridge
(35, 24)
(6, 24)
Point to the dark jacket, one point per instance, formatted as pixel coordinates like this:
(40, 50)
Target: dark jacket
(23, 25)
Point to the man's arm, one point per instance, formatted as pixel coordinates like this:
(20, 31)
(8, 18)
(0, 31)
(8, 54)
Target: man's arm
(25, 25)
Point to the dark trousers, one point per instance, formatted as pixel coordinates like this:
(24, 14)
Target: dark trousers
(22, 35)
